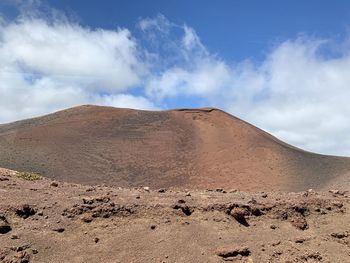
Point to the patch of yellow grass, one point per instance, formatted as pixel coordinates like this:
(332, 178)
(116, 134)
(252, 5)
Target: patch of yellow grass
(30, 176)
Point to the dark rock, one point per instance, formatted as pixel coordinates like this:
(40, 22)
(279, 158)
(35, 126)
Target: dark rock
(21, 248)
(54, 184)
(58, 229)
(4, 225)
(340, 235)
(25, 211)
(229, 251)
(300, 240)
(5, 228)
(183, 207)
(2, 178)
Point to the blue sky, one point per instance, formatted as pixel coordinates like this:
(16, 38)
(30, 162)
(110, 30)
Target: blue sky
(281, 65)
(235, 30)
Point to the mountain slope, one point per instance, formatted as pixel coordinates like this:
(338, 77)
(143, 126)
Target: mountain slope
(192, 148)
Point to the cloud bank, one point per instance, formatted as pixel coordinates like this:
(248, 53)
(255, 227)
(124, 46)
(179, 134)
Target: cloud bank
(298, 92)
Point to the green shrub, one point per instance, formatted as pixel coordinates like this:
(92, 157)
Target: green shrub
(30, 176)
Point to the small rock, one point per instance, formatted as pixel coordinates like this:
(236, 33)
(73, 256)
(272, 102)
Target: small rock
(87, 219)
(337, 204)
(5, 228)
(35, 251)
(162, 190)
(14, 237)
(239, 213)
(334, 191)
(23, 257)
(4, 225)
(300, 223)
(273, 226)
(252, 201)
(96, 240)
(25, 211)
(184, 208)
(153, 227)
(54, 184)
(263, 195)
(340, 235)
(300, 240)
(21, 248)
(231, 251)
(146, 188)
(276, 243)
(58, 229)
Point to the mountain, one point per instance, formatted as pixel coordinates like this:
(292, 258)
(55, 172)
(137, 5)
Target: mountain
(186, 148)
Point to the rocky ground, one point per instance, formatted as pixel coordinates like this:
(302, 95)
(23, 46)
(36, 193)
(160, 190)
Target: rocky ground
(50, 221)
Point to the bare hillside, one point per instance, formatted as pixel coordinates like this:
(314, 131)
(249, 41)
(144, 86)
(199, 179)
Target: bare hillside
(192, 148)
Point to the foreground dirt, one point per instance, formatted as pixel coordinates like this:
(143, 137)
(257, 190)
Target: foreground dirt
(48, 221)
(188, 148)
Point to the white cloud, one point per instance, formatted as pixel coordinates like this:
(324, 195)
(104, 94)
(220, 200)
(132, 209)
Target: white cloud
(305, 97)
(98, 59)
(50, 65)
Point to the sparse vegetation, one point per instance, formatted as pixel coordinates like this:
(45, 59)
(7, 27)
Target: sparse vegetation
(30, 176)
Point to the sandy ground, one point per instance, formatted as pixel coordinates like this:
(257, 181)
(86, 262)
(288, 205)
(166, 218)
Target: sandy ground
(50, 221)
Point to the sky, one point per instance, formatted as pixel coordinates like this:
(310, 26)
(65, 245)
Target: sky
(283, 66)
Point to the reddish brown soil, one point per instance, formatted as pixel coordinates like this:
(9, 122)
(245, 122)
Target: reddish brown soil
(192, 148)
(46, 221)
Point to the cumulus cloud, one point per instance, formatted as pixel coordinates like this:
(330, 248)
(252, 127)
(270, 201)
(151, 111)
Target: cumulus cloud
(298, 92)
(302, 96)
(50, 64)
